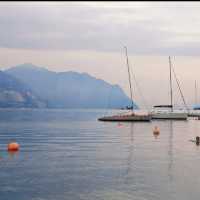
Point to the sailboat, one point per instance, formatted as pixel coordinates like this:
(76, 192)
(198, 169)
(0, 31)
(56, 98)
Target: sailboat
(167, 111)
(195, 112)
(132, 115)
(196, 105)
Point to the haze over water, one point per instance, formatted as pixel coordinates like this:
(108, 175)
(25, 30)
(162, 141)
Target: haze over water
(68, 154)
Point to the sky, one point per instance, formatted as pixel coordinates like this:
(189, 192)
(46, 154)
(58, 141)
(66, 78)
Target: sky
(90, 37)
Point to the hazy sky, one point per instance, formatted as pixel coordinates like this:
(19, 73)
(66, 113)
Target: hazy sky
(89, 37)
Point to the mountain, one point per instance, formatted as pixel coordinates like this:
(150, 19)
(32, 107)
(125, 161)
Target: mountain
(70, 89)
(14, 93)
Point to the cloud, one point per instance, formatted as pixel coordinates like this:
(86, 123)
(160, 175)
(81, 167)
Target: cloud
(146, 28)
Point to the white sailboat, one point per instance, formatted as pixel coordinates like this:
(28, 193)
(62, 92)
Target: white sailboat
(167, 111)
(131, 115)
(196, 105)
(195, 112)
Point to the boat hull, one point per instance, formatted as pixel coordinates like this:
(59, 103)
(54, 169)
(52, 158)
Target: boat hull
(135, 118)
(194, 113)
(170, 116)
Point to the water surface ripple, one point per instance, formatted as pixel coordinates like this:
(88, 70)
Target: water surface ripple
(69, 155)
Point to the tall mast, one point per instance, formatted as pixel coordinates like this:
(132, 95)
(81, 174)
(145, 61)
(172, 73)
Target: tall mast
(179, 87)
(170, 77)
(195, 93)
(129, 76)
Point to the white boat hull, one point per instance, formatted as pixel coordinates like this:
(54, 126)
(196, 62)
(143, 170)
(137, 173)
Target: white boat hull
(170, 115)
(194, 113)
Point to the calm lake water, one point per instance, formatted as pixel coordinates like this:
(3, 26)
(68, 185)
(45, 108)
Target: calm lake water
(69, 155)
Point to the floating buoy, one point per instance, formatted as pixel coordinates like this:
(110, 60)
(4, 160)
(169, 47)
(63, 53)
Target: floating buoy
(197, 140)
(156, 131)
(13, 146)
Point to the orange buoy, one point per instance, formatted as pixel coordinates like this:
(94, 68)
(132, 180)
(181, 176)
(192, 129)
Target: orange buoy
(156, 130)
(13, 146)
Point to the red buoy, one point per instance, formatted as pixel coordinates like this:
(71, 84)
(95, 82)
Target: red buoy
(156, 131)
(13, 146)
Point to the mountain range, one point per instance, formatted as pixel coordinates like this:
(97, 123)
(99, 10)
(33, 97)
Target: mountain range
(14, 93)
(28, 85)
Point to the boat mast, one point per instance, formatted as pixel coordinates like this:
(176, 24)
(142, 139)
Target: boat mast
(170, 77)
(179, 87)
(129, 76)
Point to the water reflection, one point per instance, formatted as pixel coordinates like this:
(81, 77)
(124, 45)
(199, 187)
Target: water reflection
(130, 157)
(170, 150)
(61, 152)
(1, 156)
(8, 154)
(13, 154)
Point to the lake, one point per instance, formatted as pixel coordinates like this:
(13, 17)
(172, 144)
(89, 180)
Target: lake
(69, 155)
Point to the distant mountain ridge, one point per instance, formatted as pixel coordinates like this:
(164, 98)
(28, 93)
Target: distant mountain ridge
(69, 89)
(14, 93)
